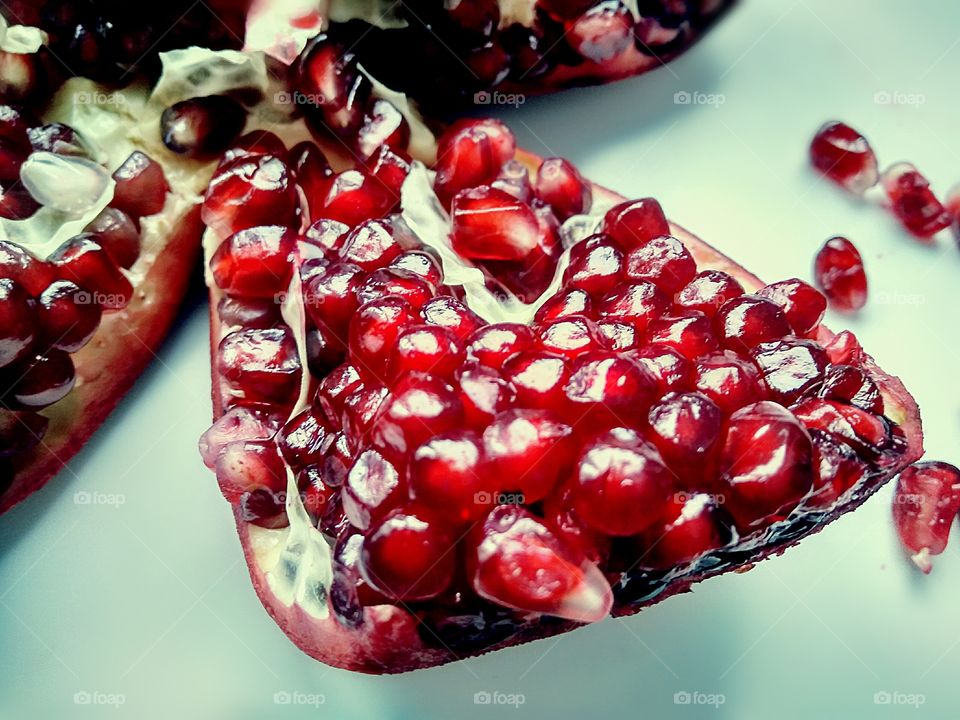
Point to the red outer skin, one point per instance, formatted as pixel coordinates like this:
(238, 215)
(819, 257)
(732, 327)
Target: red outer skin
(388, 641)
(124, 344)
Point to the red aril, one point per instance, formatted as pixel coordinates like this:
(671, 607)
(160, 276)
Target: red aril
(844, 155)
(638, 303)
(354, 196)
(260, 365)
(570, 337)
(609, 390)
(689, 332)
(746, 321)
(141, 187)
(686, 427)
(17, 322)
(418, 407)
(489, 224)
(538, 379)
(447, 312)
(483, 393)
(790, 367)
(664, 261)
(802, 304)
(448, 473)
(602, 33)
(671, 369)
(728, 379)
(925, 504)
(492, 345)
(428, 349)
(84, 262)
(470, 154)
(255, 262)
(595, 266)
(248, 191)
(560, 185)
(913, 202)
(636, 222)
(370, 245)
(67, 315)
(838, 269)
(690, 526)
(708, 291)
(373, 488)
(374, 330)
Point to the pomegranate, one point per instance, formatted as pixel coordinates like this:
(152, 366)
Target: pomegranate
(646, 415)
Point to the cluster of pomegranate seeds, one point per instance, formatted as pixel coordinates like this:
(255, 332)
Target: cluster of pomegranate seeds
(838, 270)
(651, 415)
(925, 504)
(50, 308)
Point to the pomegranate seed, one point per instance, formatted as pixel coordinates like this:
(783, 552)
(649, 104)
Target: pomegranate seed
(260, 365)
(373, 488)
(709, 291)
(82, 261)
(334, 389)
(449, 313)
(802, 304)
(664, 261)
(447, 473)
(790, 367)
(312, 172)
(691, 526)
(635, 222)
(330, 296)
(418, 407)
(44, 381)
(603, 32)
(595, 266)
(514, 179)
(913, 202)
(483, 394)
(315, 494)
(390, 167)
(325, 350)
(399, 283)
(620, 484)
(20, 432)
(672, 370)
(408, 556)
(686, 428)
(766, 464)
(17, 322)
(617, 336)
(516, 561)
(116, 233)
(564, 305)
(382, 125)
(141, 186)
(529, 449)
(328, 74)
(244, 466)
(839, 273)
(926, 501)
(421, 264)
(563, 520)
(255, 313)
(359, 411)
(610, 390)
(249, 191)
(746, 321)
(371, 245)
(67, 315)
(845, 348)
(202, 126)
(470, 153)
(22, 77)
(865, 432)
(301, 441)
(538, 379)
(570, 337)
(560, 185)
(256, 142)
(327, 234)
(844, 155)
(263, 507)
(16, 203)
(690, 333)
(374, 331)
(489, 224)
(729, 380)
(255, 262)
(59, 139)
(426, 349)
(638, 303)
(491, 345)
(852, 385)
(837, 468)
(354, 196)
(240, 423)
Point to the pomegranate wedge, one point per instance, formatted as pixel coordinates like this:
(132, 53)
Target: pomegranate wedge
(466, 426)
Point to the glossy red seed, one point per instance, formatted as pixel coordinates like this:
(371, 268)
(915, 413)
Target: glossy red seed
(913, 202)
(260, 365)
(408, 556)
(609, 390)
(118, 235)
(925, 503)
(565, 304)
(538, 379)
(334, 389)
(790, 367)
(691, 333)
(851, 385)
(355, 196)
(844, 348)
(514, 179)
(595, 266)
(602, 33)
(249, 191)
(672, 370)
(330, 296)
(728, 379)
(686, 428)
(243, 466)
(766, 464)
(18, 318)
(420, 263)
(560, 185)
(84, 262)
(491, 345)
(418, 407)
(802, 303)
(638, 303)
(569, 337)
(470, 153)
(447, 473)
(327, 234)
(141, 186)
(844, 155)
(483, 393)
(390, 167)
(489, 224)
(359, 412)
(372, 489)
(708, 291)
(374, 330)
(394, 282)
(42, 381)
(202, 127)
(692, 524)
(426, 348)
(664, 261)
(301, 440)
(255, 262)
(450, 313)
(239, 423)
(16, 203)
(382, 125)
(328, 75)
(837, 468)
(635, 222)
(370, 245)
(67, 315)
(746, 321)
(617, 336)
(865, 432)
(256, 142)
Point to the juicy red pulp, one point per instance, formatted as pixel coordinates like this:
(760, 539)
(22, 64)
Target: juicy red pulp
(652, 418)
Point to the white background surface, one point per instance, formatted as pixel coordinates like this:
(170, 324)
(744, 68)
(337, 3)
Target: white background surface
(150, 599)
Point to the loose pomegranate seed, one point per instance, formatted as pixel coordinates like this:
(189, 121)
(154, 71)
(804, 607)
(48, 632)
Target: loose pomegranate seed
(664, 261)
(837, 468)
(729, 380)
(20, 432)
(450, 313)
(766, 464)
(427, 349)
(570, 337)
(609, 390)
(483, 394)
(447, 473)
(470, 154)
(596, 266)
(620, 483)
(489, 224)
(359, 411)
(636, 222)
(638, 303)
(382, 125)
(67, 315)
(248, 191)
(239, 423)
(844, 155)
(17, 322)
(790, 367)
(374, 331)
(419, 406)
(672, 370)
(517, 561)
(926, 501)
(746, 321)
(141, 186)
(691, 333)
(334, 389)
(302, 439)
(709, 291)
(118, 235)
(491, 345)
(244, 466)
(528, 449)
(686, 427)
(803, 304)
(913, 202)
(202, 126)
(43, 381)
(839, 273)
(372, 489)
(260, 365)
(538, 379)
(255, 262)
(560, 185)
(330, 296)
(852, 385)
(84, 262)
(354, 196)
(408, 556)
(603, 32)
(691, 526)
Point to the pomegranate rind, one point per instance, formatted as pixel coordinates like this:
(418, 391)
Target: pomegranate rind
(388, 640)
